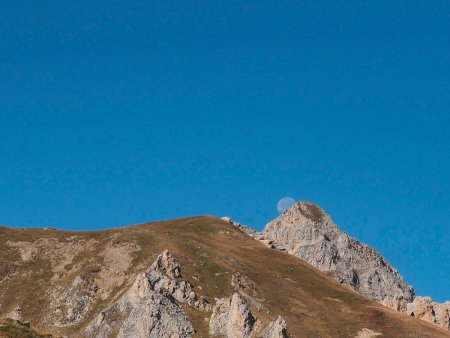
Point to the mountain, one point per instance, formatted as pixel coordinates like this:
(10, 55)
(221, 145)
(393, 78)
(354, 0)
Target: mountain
(306, 231)
(197, 276)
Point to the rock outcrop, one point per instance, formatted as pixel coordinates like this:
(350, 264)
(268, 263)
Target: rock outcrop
(276, 329)
(149, 308)
(436, 313)
(307, 232)
(232, 318)
(165, 273)
(156, 315)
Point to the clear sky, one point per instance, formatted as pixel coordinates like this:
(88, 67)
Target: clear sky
(121, 112)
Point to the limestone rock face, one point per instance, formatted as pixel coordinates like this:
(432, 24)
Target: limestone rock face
(165, 273)
(436, 313)
(156, 315)
(231, 318)
(442, 314)
(307, 232)
(149, 308)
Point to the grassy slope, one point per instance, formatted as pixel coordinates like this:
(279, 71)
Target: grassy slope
(210, 250)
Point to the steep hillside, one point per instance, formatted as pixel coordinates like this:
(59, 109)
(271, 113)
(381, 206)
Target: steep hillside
(212, 279)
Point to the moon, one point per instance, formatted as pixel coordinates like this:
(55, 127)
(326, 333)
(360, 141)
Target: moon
(284, 203)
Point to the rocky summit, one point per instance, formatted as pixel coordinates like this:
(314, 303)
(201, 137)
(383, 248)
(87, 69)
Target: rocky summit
(206, 277)
(306, 231)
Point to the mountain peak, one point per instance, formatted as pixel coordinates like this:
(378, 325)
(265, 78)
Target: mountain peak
(307, 209)
(306, 231)
(303, 212)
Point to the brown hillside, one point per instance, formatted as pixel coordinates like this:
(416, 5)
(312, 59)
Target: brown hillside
(41, 272)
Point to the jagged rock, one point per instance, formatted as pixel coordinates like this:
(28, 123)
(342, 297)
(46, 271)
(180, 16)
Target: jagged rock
(442, 314)
(154, 316)
(276, 329)
(166, 264)
(148, 308)
(307, 232)
(165, 273)
(231, 318)
(425, 309)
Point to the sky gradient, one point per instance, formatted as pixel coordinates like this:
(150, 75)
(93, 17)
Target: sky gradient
(115, 113)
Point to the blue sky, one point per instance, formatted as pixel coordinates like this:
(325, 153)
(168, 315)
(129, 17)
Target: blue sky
(115, 113)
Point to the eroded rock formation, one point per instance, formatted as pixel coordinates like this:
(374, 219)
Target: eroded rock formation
(232, 318)
(436, 313)
(276, 329)
(149, 308)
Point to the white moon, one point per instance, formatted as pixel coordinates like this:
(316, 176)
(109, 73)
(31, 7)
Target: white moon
(284, 203)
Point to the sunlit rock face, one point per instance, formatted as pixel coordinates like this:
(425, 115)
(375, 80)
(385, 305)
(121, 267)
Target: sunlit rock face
(231, 318)
(307, 232)
(149, 308)
(425, 309)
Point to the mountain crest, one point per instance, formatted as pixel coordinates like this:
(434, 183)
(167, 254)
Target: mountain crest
(309, 211)
(307, 232)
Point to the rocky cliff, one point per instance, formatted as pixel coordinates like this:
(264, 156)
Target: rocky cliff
(307, 232)
(149, 307)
